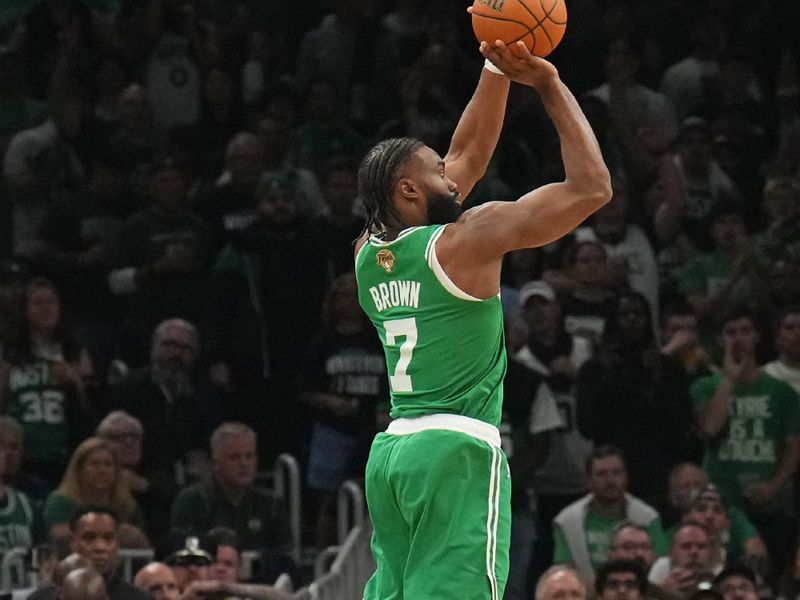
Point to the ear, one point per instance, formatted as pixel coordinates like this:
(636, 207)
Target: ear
(408, 189)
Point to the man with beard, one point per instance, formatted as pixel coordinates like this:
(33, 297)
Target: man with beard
(583, 530)
(229, 205)
(437, 483)
(692, 496)
(750, 422)
(688, 566)
(165, 399)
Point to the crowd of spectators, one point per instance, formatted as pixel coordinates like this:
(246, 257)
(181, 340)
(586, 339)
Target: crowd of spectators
(177, 302)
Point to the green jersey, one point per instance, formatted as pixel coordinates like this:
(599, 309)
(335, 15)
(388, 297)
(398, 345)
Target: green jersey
(16, 521)
(445, 351)
(749, 448)
(36, 402)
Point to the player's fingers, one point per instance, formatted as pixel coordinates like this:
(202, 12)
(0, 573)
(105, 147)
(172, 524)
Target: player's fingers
(524, 53)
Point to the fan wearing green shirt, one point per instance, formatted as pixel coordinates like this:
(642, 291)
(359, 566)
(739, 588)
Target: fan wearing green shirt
(709, 280)
(751, 425)
(583, 530)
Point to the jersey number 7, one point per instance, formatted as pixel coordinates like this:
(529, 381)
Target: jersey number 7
(406, 328)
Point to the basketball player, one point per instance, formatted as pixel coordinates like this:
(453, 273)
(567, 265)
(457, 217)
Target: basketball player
(437, 483)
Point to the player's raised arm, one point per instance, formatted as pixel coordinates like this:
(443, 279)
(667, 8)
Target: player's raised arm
(478, 130)
(549, 212)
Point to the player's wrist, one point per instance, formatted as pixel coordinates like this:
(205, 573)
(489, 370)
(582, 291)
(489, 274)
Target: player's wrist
(489, 66)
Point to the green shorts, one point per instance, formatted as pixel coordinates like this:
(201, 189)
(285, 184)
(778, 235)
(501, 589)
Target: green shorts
(439, 501)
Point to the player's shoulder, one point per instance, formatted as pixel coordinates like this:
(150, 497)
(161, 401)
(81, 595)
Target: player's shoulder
(475, 217)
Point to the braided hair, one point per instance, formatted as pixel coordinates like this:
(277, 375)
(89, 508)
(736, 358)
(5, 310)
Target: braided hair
(377, 175)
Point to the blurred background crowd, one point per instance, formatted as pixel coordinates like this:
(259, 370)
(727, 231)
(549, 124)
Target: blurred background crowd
(177, 302)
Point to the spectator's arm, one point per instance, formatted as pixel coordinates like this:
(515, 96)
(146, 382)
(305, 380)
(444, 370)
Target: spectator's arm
(714, 414)
(763, 492)
(198, 590)
(667, 215)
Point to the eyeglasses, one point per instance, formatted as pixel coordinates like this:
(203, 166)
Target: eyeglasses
(621, 584)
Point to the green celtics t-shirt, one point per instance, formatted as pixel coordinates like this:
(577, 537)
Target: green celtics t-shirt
(598, 537)
(37, 402)
(706, 273)
(749, 446)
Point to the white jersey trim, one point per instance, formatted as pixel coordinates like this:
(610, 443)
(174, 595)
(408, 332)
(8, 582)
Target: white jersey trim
(376, 241)
(472, 427)
(436, 267)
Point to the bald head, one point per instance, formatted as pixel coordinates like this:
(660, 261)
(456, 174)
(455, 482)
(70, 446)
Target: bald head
(158, 580)
(83, 584)
(560, 583)
(70, 563)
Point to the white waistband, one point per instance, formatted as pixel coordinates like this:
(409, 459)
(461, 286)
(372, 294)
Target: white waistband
(477, 429)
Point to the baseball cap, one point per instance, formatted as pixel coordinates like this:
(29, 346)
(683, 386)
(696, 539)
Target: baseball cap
(536, 288)
(708, 493)
(182, 550)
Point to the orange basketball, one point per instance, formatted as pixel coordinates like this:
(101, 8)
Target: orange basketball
(540, 24)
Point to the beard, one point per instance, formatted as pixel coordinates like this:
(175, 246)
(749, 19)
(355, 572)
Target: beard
(444, 209)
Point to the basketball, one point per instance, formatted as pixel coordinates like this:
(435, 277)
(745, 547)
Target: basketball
(540, 24)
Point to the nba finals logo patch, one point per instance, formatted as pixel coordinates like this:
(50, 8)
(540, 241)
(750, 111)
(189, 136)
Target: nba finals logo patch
(493, 4)
(385, 259)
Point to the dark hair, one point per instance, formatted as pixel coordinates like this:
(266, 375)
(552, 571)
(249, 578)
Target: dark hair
(736, 571)
(621, 566)
(685, 523)
(222, 536)
(18, 349)
(377, 175)
(86, 509)
(734, 313)
(611, 331)
(794, 309)
(600, 452)
(619, 527)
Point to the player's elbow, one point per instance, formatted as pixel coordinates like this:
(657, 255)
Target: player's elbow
(594, 189)
(601, 185)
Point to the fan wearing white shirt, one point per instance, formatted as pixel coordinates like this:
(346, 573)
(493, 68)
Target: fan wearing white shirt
(787, 342)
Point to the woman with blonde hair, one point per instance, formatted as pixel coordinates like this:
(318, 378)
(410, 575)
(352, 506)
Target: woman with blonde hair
(93, 476)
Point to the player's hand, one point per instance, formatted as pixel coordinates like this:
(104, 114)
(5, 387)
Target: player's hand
(527, 70)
